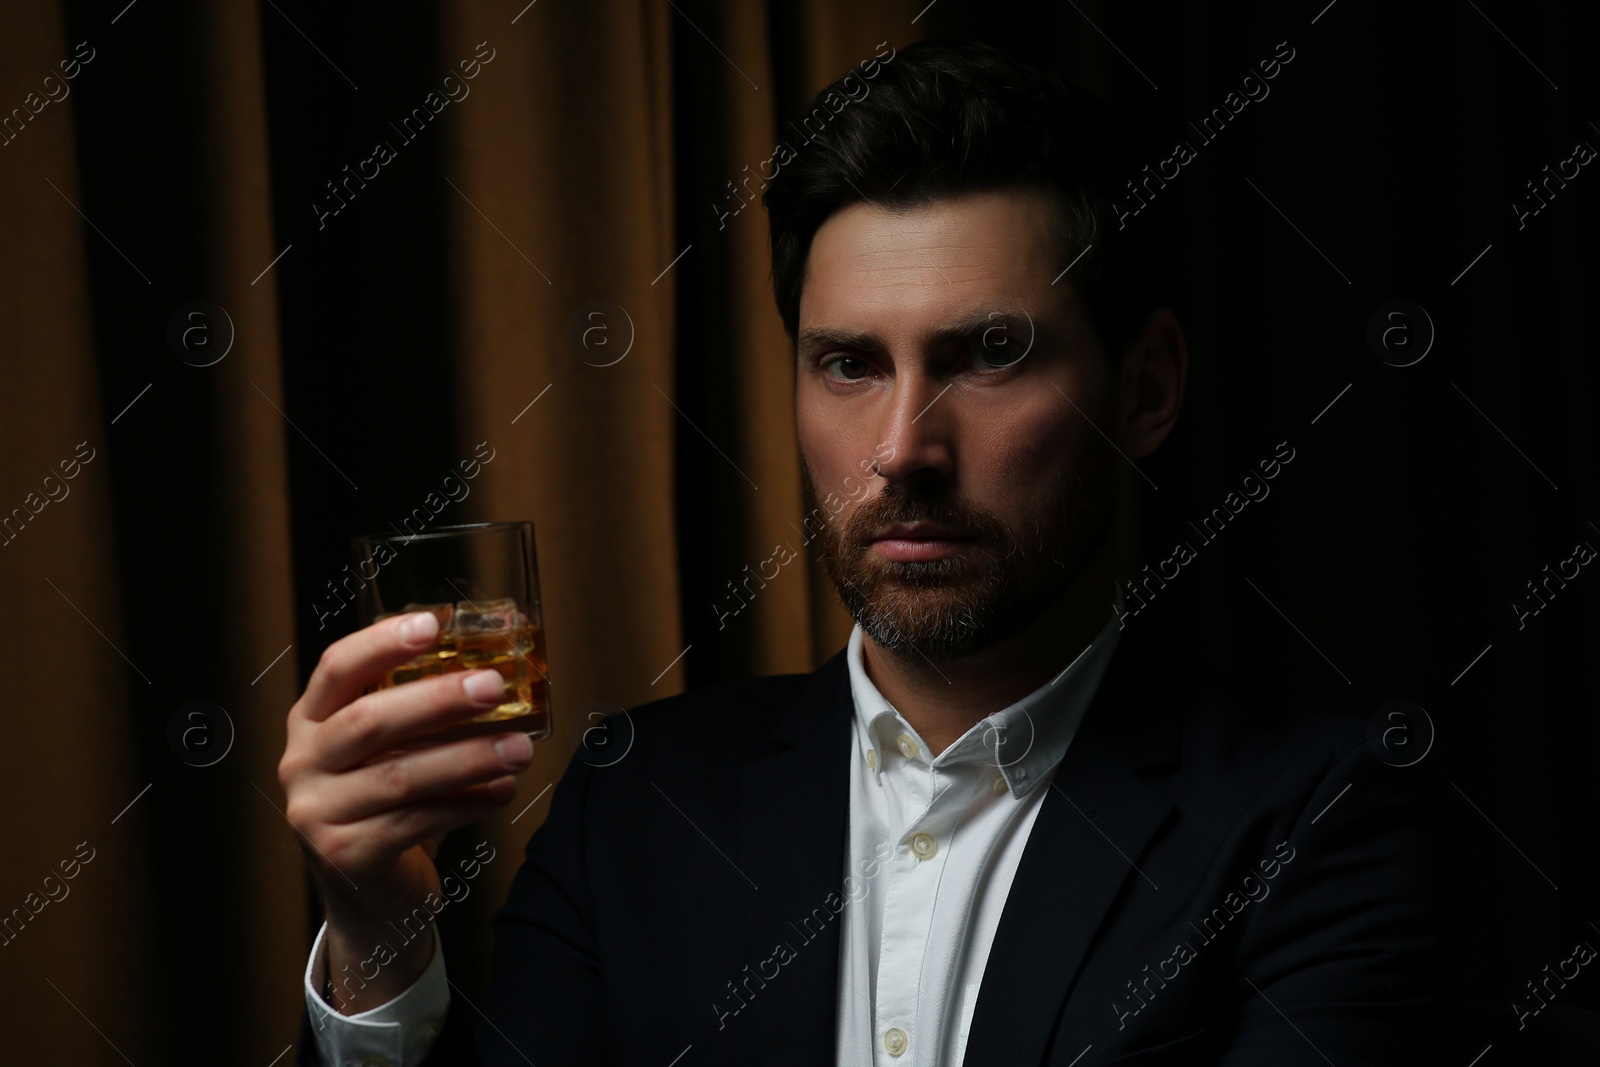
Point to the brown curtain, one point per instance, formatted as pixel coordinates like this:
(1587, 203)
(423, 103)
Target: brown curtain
(97, 970)
(166, 571)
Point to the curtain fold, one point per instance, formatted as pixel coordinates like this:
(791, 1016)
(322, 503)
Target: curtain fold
(69, 872)
(261, 886)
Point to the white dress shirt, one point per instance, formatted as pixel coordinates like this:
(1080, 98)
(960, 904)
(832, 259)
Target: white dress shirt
(396, 1034)
(914, 942)
(948, 832)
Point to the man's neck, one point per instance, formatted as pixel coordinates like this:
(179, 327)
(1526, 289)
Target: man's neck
(943, 699)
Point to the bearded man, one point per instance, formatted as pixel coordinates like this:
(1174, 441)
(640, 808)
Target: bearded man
(999, 826)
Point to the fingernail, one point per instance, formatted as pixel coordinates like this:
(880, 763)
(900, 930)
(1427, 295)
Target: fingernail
(486, 687)
(514, 749)
(420, 628)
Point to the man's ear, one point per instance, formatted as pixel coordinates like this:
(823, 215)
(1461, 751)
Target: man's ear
(1155, 366)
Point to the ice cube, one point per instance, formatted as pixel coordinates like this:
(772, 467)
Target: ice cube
(442, 612)
(486, 616)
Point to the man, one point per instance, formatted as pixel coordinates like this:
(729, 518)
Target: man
(999, 827)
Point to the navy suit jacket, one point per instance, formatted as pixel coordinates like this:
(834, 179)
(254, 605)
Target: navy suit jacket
(1211, 879)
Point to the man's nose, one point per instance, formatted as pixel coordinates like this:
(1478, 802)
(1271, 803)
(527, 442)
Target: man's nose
(916, 442)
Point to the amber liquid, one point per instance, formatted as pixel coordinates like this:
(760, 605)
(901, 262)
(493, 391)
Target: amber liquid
(517, 654)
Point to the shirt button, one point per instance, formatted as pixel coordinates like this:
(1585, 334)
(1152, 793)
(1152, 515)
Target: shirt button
(894, 1041)
(908, 747)
(872, 757)
(924, 846)
(999, 783)
(427, 1032)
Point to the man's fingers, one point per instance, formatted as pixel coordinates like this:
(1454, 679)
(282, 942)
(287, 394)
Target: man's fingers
(357, 846)
(439, 772)
(351, 662)
(390, 717)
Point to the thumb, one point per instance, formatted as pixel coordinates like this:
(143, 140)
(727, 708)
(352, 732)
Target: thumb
(430, 845)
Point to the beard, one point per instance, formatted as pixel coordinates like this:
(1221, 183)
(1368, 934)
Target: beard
(997, 584)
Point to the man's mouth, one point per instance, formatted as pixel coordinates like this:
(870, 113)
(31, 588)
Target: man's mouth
(918, 542)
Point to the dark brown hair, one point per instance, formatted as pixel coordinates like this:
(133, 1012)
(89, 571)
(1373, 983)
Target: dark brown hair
(945, 118)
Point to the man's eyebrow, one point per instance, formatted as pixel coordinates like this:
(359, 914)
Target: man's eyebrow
(815, 337)
(1016, 322)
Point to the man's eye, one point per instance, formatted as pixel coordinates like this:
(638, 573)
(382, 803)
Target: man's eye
(850, 368)
(996, 348)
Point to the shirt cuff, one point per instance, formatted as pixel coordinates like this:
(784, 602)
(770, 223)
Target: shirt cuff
(395, 1034)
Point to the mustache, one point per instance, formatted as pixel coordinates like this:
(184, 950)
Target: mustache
(894, 505)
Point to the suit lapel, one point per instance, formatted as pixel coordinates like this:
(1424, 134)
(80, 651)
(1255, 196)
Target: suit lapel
(1091, 829)
(793, 834)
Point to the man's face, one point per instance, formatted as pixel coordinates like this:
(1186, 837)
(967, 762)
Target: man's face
(932, 342)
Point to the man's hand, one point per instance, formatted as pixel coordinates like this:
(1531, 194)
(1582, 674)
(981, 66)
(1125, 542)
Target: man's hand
(373, 816)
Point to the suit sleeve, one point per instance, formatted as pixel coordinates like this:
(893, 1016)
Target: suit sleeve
(1353, 962)
(544, 1000)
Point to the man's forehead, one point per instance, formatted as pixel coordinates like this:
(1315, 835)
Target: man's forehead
(973, 226)
(939, 263)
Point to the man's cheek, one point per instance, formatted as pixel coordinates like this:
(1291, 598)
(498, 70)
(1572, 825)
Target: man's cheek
(1039, 466)
(848, 525)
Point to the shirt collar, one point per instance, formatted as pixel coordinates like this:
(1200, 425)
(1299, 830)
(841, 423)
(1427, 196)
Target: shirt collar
(1025, 740)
